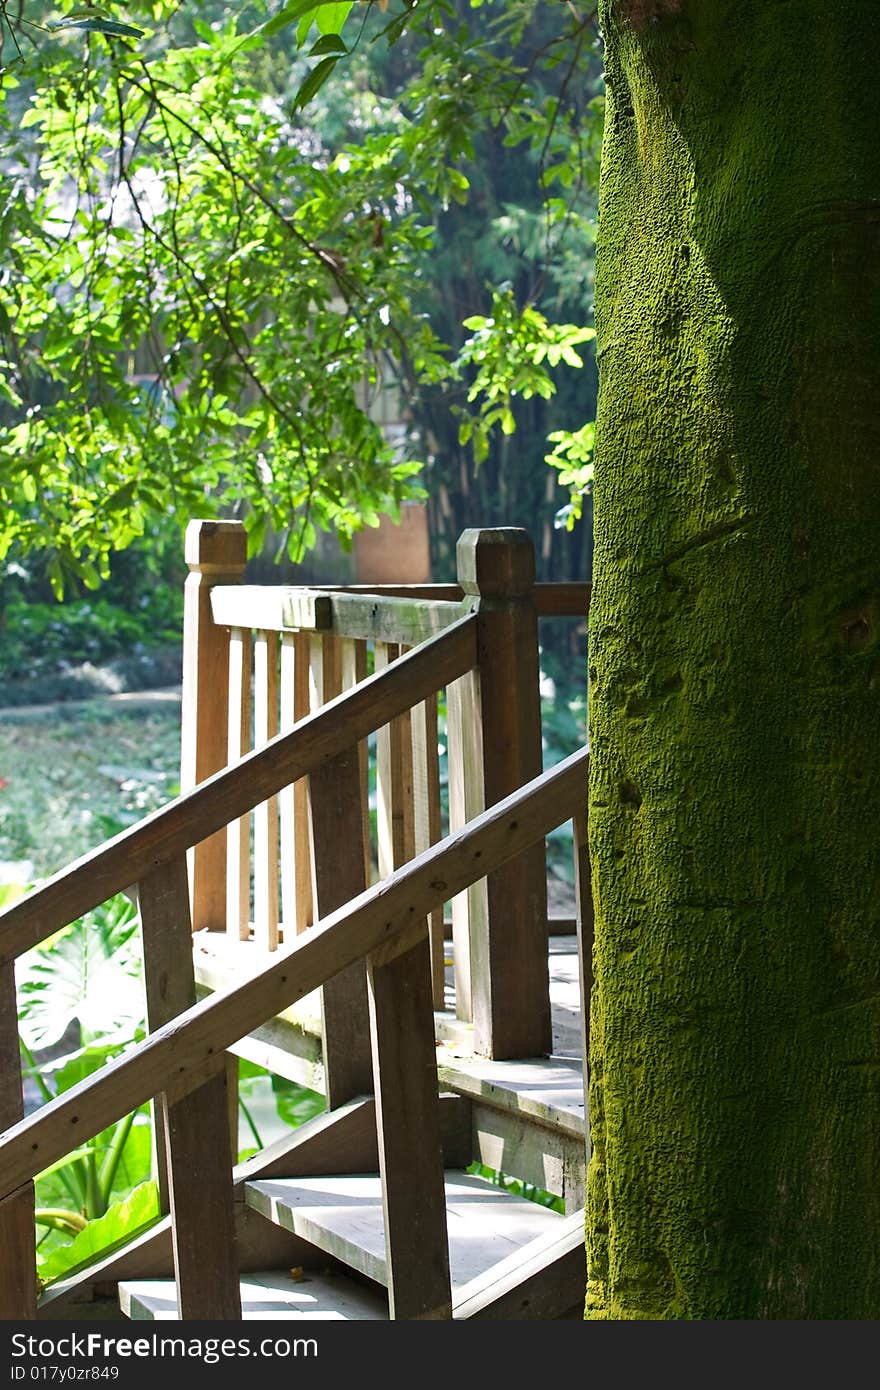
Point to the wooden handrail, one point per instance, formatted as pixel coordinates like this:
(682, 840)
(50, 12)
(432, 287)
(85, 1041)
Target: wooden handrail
(388, 613)
(236, 790)
(182, 1054)
(384, 618)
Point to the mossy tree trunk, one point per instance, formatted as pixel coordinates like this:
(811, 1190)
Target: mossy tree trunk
(735, 665)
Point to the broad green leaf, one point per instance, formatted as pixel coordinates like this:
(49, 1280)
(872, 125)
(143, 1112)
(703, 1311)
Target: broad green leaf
(122, 1220)
(330, 18)
(328, 43)
(86, 975)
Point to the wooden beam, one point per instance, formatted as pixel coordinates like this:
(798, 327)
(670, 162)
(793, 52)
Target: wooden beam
(196, 1127)
(334, 793)
(236, 790)
(545, 1280)
(185, 1052)
(274, 608)
(427, 829)
(266, 814)
(408, 1122)
(238, 856)
(510, 984)
(216, 552)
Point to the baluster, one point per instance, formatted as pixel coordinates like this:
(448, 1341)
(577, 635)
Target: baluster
(197, 1138)
(18, 1287)
(426, 829)
(408, 1127)
(354, 670)
(216, 552)
(238, 858)
(511, 991)
(395, 827)
(266, 814)
(464, 770)
(336, 816)
(304, 890)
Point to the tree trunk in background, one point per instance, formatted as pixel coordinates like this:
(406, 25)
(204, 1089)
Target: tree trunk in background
(735, 665)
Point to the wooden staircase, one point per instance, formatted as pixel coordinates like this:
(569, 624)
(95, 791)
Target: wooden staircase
(337, 972)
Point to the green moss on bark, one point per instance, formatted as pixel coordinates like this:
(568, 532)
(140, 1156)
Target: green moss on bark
(735, 666)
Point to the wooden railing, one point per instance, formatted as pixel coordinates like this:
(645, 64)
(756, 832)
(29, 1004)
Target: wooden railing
(274, 654)
(369, 948)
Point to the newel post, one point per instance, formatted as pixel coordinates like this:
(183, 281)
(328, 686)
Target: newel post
(510, 985)
(216, 552)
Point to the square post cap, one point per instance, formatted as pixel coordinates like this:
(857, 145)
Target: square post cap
(496, 563)
(216, 547)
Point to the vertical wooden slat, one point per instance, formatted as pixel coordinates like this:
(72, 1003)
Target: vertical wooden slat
(18, 1259)
(338, 869)
(215, 553)
(354, 670)
(510, 979)
(304, 892)
(238, 854)
(198, 1150)
(395, 827)
(266, 814)
(465, 783)
(426, 822)
(408, 1125)
(286, 797)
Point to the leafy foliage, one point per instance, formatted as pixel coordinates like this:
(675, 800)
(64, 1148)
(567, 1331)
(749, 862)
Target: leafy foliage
(206, 298)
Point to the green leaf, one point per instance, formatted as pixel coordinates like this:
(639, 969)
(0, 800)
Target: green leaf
(121, 1221)
(328, 43)
(290, 14)
(315, 80)
(86, 975)
(331, 17)
(99, 25)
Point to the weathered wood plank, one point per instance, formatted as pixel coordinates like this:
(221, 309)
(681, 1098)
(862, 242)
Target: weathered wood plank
(18, 1268)
(509, 982)
(395, 827)
(339, 878)
(215, 553)
(322, 1296)
(466, 800)
(354, 670)
(234, 791)
(343, 1215)
(521, 1147)
(344, 1141)
(274, 608)
(410, 1146)
(184, 1053)
(271, 607)
(196, 1127)
(304, 887)
(266, 814)
(238, 855)
(395, 620)
(426, 824)
(546, 1279)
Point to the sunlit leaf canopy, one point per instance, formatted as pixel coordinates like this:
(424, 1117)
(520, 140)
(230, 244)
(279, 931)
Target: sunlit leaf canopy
(223, 232)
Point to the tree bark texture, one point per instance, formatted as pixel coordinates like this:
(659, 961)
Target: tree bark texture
(735, 665)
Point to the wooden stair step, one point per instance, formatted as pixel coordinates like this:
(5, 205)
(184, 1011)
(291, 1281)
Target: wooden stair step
(275, 1295)
(343, 1217)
